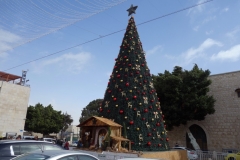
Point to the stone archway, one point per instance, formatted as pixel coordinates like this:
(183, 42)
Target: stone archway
(97, 134)
(200, 136)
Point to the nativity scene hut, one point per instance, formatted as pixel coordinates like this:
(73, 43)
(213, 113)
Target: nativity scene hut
(98, 132)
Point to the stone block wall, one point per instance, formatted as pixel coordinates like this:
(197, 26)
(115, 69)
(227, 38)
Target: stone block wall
(13, 107)
(223, 127)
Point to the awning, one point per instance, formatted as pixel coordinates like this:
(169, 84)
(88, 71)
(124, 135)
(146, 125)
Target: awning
(119, 138)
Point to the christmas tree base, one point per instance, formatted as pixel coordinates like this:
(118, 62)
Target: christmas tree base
(172, 155)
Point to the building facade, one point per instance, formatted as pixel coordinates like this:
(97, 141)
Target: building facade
(220, 130)
(14, 97)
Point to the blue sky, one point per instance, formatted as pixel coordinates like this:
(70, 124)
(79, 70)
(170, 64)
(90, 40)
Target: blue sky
(207, 35)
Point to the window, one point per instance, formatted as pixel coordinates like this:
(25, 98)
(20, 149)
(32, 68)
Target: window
(238, 91)
(32, 157)
(24, 148)
(86, 157)
(73, 157)
(51, 147)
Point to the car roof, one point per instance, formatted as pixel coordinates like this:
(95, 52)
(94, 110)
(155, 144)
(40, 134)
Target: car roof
(52, 153)
(24, 141)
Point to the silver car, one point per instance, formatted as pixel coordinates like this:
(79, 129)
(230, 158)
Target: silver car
(55, 155)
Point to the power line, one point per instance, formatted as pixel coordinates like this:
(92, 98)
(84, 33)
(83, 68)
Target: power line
(107, 35)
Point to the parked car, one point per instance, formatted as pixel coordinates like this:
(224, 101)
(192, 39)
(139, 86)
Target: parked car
(48, 139)
(190, 153)
(232, 156)
(56, 155)
(13, 148)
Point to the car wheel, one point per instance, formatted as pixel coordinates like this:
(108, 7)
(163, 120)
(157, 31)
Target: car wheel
(231, 158)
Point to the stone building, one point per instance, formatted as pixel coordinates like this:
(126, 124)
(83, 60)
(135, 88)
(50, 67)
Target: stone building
(14, 96)
(222, 129)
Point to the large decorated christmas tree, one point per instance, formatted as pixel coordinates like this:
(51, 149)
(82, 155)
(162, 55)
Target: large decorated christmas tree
(130, 98)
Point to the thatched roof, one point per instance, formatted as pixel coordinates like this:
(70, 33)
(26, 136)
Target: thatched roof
(98, 121)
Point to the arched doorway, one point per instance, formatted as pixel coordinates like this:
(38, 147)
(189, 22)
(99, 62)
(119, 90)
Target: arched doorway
(200, 136)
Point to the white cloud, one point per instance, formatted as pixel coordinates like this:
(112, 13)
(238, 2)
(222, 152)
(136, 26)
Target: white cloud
(72, 62)
(233, 33)
(196, 28)
(233, 54)
(226, 9)
(154, 50)
(194, 53)
(7, 41)
(197, 9)
(209, 32)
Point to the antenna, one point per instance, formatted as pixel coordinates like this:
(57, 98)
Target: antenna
(23, 80)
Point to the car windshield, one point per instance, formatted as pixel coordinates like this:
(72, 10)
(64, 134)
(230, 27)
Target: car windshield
(32, 156)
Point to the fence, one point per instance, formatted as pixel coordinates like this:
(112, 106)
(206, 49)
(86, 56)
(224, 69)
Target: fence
(211, 155)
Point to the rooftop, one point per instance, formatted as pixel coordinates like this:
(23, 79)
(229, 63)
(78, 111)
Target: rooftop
(8, 77)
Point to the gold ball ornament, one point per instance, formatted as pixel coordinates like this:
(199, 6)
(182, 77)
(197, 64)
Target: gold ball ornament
(162, 132)
(152, 119)
(140, 104)
(116, 71)
(137, 60)
(116, 105)
(137, 129)
(126, 59)
(140, 75)
(112, 96)
(120, 69)
(135, 87)
(125, 117)
(130, 90)
(121, 80)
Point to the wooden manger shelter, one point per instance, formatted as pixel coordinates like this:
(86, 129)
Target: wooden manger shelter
(94, 126)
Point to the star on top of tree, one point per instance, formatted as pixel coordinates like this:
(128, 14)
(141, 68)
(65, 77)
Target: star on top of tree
(131, 10)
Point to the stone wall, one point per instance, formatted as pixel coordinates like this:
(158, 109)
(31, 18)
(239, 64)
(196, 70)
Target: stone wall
(13, 107)
(223, 127)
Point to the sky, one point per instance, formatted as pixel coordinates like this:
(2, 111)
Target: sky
(208, 35)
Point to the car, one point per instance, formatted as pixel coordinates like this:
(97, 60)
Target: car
(13, 148)
(190, 153)
(56, 155)
(232, 156)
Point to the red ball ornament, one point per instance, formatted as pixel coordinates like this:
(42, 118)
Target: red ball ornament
(134, 97)
(100, 109)
(109, 91)
(108, 82)
(116, 58)
(162, 116)
(167, 139)
(145, 81)
(121, 111)
(152, 100)
(158, 124)
(158, 108)
(142, 64)
(132, 142)
(127, 84)
(115, 66)
(137, 72)
(149, 143)
(131, 122)
(143, 93)
(159, 145)
(131, 74)
(145, 110)
(114, 98)
(150, 107)
(126, 99)
(165, 126)
(118, 76)
(143, 119)
(129, 65)
(134, 109)
(119, 89)
(149, 134)
(125, 57)
(123, 63)
(108, 111)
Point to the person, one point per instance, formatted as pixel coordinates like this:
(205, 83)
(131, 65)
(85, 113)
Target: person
(19, 137)
(176, 145)
(66, 145)
(36, 138)
(79, 145)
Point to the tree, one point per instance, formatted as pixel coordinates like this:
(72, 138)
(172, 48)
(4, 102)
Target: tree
(43, 120)
(184, 95)
(130, 98)
(90, 110)
(67, 121)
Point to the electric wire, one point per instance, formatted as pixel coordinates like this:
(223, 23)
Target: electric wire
(108, 35)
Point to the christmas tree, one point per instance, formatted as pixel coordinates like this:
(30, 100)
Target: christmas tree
(130, 98)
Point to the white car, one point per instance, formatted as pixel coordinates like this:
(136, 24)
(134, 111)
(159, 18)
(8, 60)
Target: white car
(191, 153)
(55, 155)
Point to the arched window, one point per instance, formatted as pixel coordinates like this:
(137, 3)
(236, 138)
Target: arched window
(200, 136)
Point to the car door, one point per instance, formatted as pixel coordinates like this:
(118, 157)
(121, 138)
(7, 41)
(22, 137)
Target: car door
(8, 151)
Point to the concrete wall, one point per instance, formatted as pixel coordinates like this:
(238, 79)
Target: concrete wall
(13, 107)
(223, 127)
